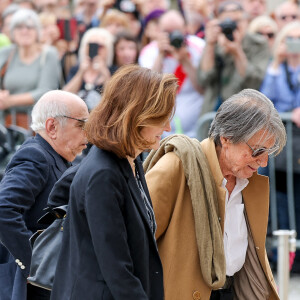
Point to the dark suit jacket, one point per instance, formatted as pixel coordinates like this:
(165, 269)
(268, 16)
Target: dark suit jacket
(108, 250)
(61, 191)
(24, 191)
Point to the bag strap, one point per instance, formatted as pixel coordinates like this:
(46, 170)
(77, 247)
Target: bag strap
(4, 68)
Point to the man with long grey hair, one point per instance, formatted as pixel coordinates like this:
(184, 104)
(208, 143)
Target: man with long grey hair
(58, 119)
(212, 207)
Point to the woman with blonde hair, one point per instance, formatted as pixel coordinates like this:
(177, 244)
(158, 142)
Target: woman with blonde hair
(108, 248)
(94, 68)
(281, 84)
(265, 26)
(115, 21)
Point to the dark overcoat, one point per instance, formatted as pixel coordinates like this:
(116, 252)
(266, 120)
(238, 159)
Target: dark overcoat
(24, 191)
(108, 249)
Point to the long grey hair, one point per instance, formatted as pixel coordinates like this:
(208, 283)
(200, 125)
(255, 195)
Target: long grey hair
(243, 115)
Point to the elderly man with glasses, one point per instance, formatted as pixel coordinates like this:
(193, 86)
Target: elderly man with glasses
(58, 120)
(211, 206)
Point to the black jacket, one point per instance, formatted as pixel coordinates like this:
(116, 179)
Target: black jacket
(24, 191)
(108, 250)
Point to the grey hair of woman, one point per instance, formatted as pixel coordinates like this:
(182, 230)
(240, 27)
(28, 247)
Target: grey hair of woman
(49, 105)
(244, 114)
(25, 16)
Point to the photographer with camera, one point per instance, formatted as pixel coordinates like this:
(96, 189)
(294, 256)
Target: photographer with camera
(232, 59)
(178, 53)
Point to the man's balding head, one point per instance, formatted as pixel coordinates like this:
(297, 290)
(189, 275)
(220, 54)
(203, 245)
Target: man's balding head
(59, 118)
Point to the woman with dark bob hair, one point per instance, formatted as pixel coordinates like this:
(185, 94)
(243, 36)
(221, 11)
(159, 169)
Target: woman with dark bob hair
(108, 249)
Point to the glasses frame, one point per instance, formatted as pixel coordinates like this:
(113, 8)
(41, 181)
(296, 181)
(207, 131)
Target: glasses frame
(79, 120)
(260, 151)
(82, 121)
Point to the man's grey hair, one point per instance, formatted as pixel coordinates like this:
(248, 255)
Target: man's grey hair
(243, 115)
(49, 105)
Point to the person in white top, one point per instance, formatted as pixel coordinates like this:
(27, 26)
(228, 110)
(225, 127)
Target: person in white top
(211, 206)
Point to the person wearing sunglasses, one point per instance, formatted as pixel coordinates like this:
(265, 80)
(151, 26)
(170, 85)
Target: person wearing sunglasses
(211, 206)
(282, 85)
(264, 26)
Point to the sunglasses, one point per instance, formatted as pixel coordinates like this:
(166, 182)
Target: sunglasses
(284, 17)
(269, 35)
(260, 151)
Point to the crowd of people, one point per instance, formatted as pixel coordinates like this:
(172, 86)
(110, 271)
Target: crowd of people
(122, 75)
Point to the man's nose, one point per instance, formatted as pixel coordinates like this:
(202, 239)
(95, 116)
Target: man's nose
(262, 160)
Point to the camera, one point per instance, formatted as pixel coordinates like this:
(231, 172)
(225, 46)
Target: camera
(228, 26)
(176, 39)
(93, 50)
(292, 45)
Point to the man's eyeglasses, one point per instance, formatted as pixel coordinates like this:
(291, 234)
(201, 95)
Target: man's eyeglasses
(260, 151)
(81, 121)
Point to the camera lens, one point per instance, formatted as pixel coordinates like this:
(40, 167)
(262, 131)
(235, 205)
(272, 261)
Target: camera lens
(176, 39)
(228, 26)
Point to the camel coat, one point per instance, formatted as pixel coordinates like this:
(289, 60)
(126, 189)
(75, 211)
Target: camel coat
(176, 237)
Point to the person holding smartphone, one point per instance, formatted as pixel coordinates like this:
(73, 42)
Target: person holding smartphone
(86, 79)
(282, 85)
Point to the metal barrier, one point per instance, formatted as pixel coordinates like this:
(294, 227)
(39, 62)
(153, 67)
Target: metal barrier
(202, 132)
(286, 244)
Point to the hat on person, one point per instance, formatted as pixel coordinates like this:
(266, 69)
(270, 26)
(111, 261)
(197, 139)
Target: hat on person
(155, 14)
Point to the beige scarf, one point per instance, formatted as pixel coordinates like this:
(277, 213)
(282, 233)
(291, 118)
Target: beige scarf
(204, 201)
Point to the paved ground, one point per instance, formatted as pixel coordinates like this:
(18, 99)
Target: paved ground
(294, 287)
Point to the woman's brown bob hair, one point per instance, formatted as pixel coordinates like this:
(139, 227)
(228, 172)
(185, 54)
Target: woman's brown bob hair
(133, 98)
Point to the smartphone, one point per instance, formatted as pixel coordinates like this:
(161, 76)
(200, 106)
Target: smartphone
(93, 50)
(67, 28)
(293, 45)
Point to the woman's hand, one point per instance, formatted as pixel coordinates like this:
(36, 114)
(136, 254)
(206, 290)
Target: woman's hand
(212, 32)
(279, 56)
(99, 65)
(4, 99)
(85, 64)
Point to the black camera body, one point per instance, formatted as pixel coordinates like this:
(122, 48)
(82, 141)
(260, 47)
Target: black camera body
(228, 26)
(176, 39)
